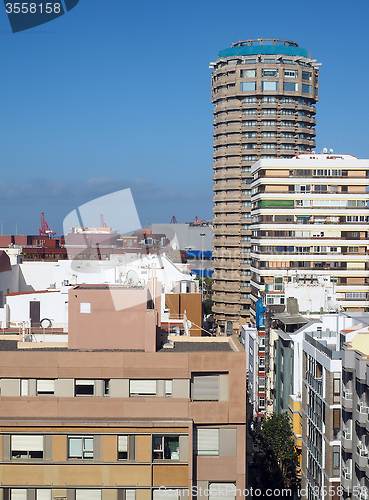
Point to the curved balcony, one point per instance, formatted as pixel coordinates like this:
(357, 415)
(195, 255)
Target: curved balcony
(227, 184)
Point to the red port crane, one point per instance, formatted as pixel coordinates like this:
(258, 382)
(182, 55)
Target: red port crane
(45, 228)
(102, 222)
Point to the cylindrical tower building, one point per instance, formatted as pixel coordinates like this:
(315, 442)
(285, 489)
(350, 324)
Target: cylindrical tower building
(264, 93)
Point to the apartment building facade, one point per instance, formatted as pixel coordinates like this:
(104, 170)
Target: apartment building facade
(264, 93)
(311, 219)
(355, 410)
(86, 422)
(321, 410)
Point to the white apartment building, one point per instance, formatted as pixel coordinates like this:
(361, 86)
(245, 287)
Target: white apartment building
(310, 219)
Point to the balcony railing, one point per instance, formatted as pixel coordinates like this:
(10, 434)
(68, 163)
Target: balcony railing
(314, 451)
(347, 394)
(317, 385)
(314, 417)
(362, 450)
(361, 408)
(346, 433)
(346, 473)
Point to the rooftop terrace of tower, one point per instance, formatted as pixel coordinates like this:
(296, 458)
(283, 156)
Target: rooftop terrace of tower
(265, 46)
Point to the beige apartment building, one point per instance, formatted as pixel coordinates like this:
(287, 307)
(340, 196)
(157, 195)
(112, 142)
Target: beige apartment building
(264, 93)
(311, 220)
(123, 422)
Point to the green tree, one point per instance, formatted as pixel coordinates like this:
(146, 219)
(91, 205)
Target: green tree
(277, 434)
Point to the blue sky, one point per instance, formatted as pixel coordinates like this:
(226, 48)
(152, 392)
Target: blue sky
(116, 94)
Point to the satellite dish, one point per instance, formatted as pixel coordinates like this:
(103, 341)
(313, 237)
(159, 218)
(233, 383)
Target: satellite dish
(331, 151)
(132, 277)
(325, 150)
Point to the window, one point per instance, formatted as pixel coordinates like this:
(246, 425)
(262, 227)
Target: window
(261, 382)
(126, 447)
(268, 134)
(336, 460)
(249, 158)
(166, 493)
(249, 135)
(27, 447)
(268, 146)
(80, 447)
(88, 494)
(18, 494)
(249, 123)
(269, 111)
(273, 73)
(142, 387)
(168, 388)
(24, 387)
(261, 362)
(353, 249)
(269, 85)
(268, 123)
(336, 387)
(248, 86)
(336, 419)
(306, 88)
(165, 447)
(306, 75)
(222, 491)
(287, 112)
(248, 73)
(320, 188)
(250, 100)
(288, 100)
(290, 73)
(84, 387)
(270, 99)
(262, 402)
(208, 442)
(250, 112)
(85, 308)
(43, 494)
(205, 388)
(290, 86)
(249, 146)
(45, 387)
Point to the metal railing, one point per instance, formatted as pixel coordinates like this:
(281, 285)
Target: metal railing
(361, 408)
(317, 385)
(347, 394)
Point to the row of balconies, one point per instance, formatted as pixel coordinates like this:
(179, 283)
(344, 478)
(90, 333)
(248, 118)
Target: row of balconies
(237, 105)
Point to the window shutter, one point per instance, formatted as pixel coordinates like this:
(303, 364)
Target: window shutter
(24, 387)
(221, 491)
(88, 494)
(205, 388)
(27, 443)
(18, 494)
(45, 385)
(208, 441)
(85, 382)
(336, 418)
(130, 494)
(43, 495)
(143, 387)
(123, 443)
(168, 387)
(170, 494)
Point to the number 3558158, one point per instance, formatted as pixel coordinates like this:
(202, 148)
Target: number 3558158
(32, 8)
